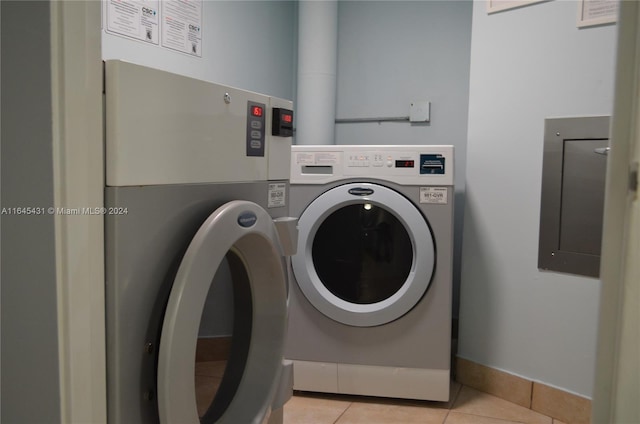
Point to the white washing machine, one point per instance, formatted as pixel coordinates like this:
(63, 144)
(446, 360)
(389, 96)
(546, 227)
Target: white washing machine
(195, 179)
(370, 308)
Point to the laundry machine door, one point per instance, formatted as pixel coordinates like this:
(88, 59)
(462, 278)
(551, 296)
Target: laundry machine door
(245, 234)
(365, 254)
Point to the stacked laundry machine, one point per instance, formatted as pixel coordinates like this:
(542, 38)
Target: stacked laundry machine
(370, 301)
(196, 177)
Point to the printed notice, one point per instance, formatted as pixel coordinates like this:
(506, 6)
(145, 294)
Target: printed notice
(135, 19)
(305, 158)
(327, 158)
(277, 193)
(597, 12)
(182, 26)
(317, 158)
(433, 195)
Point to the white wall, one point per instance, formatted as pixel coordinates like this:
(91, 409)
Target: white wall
(527, 64)
(245, 44)
(391, 53)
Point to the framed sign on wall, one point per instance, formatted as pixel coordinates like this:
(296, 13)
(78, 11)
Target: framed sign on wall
(597, 12)
(500, 5)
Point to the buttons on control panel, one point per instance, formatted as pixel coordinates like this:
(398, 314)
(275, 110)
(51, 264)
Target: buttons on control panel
(365, 160)
(358, 160)
(388, 163)
(255, 129)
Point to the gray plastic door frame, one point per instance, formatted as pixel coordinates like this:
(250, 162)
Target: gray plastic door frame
(387, 310)
(247, 230)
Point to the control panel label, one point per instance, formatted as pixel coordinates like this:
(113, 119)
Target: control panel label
(317, 158)
(305, 159)
(436, 195)
(277, 195)
(255, 129)
(327, 158)
(432, 164)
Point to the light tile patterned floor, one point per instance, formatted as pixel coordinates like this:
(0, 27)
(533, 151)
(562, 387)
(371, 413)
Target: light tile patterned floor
(467, 406)
(208, 376)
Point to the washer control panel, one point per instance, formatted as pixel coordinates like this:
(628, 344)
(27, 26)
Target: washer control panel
(423, 164)
(428, 163)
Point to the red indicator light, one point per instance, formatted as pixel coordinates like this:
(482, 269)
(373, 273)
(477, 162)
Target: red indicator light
(287, 118)
(256, 111)
(405, 164)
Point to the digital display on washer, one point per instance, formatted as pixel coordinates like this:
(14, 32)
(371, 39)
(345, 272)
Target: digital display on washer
(405, 163)
(256, 111)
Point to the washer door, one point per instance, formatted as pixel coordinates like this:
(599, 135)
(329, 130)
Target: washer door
(244, 233)
(366, 254)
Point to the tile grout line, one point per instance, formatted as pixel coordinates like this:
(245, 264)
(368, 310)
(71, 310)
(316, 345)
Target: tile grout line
(452, 403)
(492, 418)
(342, 413)
(531, 397)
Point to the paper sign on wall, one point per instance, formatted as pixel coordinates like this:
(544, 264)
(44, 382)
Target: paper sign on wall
(182, 26)
(135, 19)
(597, 12)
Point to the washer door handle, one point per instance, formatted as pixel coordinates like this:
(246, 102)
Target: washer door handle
(361, 191)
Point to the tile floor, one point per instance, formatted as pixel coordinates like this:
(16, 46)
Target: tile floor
(208, 376)
(466, 406)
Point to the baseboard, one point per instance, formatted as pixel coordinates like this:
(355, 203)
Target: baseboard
(213, 348)
(547, 400)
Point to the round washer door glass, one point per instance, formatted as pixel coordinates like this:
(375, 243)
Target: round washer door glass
(362, 253)
(366, 254)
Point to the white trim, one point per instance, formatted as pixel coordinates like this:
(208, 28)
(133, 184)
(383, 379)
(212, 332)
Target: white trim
(617, 366)
(76, 69)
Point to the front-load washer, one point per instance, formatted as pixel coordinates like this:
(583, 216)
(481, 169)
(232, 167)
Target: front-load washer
(196, 182)
(370, 309)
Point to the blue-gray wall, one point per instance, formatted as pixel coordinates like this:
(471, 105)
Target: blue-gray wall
(245, 44)
(30, 385)
(391, 53)
(527, 64)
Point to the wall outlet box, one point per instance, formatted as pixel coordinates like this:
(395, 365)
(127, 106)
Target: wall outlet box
(420, 112)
